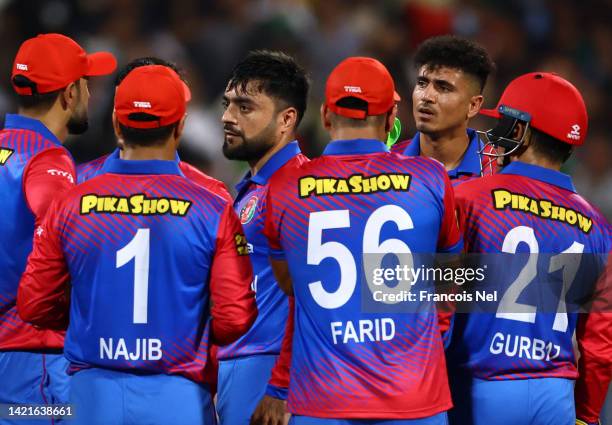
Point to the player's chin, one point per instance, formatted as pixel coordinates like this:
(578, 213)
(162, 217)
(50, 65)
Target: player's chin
(424, 126)
(233, 149)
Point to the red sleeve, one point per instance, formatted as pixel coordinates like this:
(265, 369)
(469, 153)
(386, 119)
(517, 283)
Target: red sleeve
(449, 239)
(48, 174)
(280, 372)
(594, 337)
(43, 294)
(233, 308)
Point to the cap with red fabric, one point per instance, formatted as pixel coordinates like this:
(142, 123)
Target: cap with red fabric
(155, 90)
(556, 107)
(53, 61)
(363, 78)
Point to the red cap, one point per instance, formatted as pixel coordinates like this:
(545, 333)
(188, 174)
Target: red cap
(155, 90)
(53, 61)
(364, 78)
(555, 105)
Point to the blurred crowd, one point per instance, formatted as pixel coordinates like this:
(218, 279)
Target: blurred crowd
(207, 37)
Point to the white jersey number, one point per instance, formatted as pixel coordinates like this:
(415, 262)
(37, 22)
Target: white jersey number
(339, 219)
(138, 249)
(569, 264)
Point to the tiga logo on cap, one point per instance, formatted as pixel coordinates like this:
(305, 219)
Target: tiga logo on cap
(141, 104)
(575, 133)
(352, 89)
(21, 67)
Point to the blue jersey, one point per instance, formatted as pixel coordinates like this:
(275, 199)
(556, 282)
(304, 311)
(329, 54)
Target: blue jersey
(34, 167)
(147, 252)
(473, 164)
(524, 211)
(355, 355)
(266, 335)
(95, 167)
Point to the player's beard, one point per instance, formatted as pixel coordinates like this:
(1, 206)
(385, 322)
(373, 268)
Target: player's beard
(251, 148)
(79, 121)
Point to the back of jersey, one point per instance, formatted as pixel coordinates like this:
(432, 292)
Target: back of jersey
(139, 250)
(544, 247)
(357, 354)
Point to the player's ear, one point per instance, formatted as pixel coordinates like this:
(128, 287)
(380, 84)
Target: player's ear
(116, 127)
(519, 130)
(325, 117)
(475, 105)
(69, 96)
(390, 119)
(288, 119)
(178, 130)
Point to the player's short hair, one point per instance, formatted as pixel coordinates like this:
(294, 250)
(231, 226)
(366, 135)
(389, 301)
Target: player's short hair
(146, 61)
(279, 76)
(455, 52)
(39, 101)
(360, 105)
(147, 136)
(550, 148)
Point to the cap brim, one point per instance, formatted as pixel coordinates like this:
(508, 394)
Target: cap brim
(101, 63)
(396, 97)
(494, 113)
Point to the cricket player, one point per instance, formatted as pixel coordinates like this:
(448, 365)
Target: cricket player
(356, 359)
(516, 364)
(451, 76)
(49, 76)
(264, 102)
(154, 267)
(93, 168)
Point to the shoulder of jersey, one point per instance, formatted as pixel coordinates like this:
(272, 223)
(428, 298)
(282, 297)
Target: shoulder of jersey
(400, 147)
(199, 177)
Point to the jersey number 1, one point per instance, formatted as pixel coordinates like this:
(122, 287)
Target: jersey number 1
(138, 249)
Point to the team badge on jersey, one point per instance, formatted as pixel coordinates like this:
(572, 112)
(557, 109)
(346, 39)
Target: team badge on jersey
(248, 211)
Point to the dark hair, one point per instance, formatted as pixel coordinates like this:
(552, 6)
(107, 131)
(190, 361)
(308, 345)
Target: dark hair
(550, 148)
(279, 75)
(42, 101)
(455, 52)
(144, 61)
(145, 136)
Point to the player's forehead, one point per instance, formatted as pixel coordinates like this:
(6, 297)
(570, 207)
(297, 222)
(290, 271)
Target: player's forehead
(449, 74)
(252, 91)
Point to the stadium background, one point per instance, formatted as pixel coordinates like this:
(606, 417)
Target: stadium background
(207, 37)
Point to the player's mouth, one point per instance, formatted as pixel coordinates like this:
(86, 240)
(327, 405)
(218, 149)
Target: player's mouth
(424, 114)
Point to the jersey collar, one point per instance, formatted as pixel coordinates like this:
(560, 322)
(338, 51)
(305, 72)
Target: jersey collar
(275, 162)
(116, 155)
(546, 175)
(354, 146)
(469, 165)
(20, 122)
(114, 164)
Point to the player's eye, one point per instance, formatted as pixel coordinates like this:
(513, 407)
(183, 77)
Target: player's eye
(224, 104)
(421, 83)
(244, 109)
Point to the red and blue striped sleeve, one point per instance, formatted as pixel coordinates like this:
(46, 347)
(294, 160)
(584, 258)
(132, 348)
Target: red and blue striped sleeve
(43, 294)
(233, 302)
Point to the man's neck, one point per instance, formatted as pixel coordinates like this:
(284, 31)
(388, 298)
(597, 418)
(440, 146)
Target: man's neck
(143, 153)
(350, 133)
(528, 157)
(448, 149)
(49, 120)
(257, 164)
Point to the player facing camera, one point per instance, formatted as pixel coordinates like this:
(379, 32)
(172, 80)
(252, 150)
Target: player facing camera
(541, 110)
